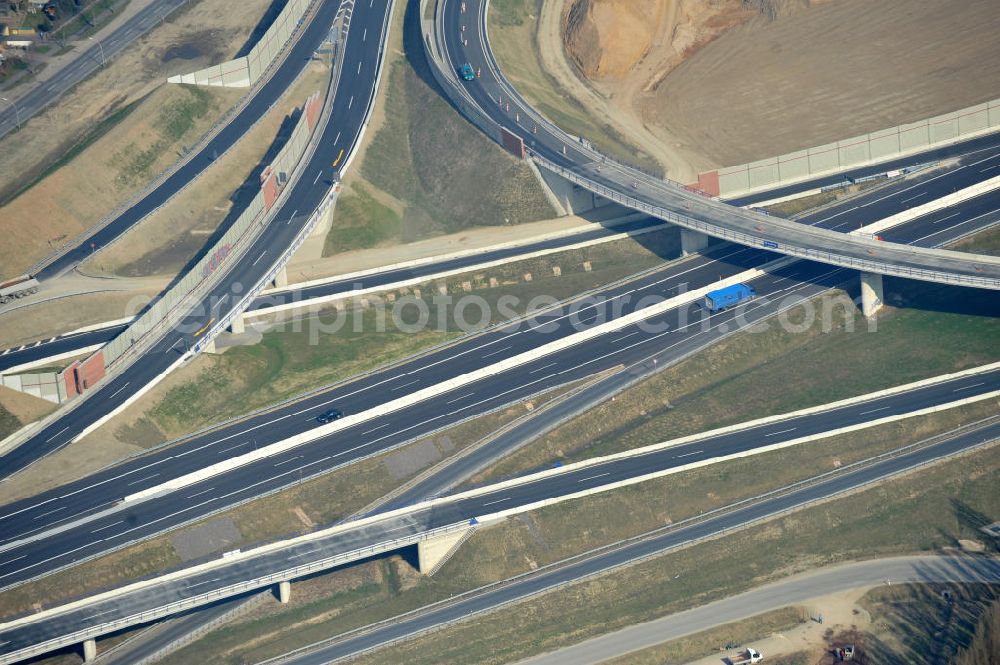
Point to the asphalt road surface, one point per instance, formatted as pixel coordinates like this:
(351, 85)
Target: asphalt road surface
(791, 591)
(465, 510)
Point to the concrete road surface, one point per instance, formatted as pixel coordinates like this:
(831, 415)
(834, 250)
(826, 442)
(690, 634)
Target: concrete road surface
(797, 589)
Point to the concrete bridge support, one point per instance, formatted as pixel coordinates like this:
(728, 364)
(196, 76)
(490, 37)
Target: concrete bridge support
(281, 277)
(237, 325)
(89, 651)
(284, 591)
(692, 242)
(434, 552)
(871, 294)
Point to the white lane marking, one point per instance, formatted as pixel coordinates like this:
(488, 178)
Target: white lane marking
(954, 214)
(989, 168)
(119, 390)
(290, 459)
(364, 35)
(350, 102)
(493, 353)
(55, 435)
(337, 139)
(316, 179)
(238, 445)
(108, 526)
(915, 196)
(359, 67)
(406, 384)
(4, 563)
(600, 475)
(974, 385)
(784, 431)
(955, 226)
(458, 399)
(374, 429)
(881, 408)
(57, 556)
(497, 501)
(292, 217)
(688, 454)
(214, 579)
(260, 257)
(56, 510)
(191, 496)
(136, 482)
(296, 556)
(534, 371)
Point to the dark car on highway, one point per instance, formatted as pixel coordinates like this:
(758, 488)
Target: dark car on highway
(329, 416)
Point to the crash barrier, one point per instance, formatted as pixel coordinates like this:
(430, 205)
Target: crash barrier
(245, 71)
(870, 148)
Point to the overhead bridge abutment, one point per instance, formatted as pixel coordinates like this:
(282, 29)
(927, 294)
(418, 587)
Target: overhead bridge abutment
(872, 295)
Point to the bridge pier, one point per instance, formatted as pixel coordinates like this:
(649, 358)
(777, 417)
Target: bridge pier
(281, 277)
(284, 591)
(237, 325)
(692, 242)
(434, 552)
(871, 294)
(89, 650)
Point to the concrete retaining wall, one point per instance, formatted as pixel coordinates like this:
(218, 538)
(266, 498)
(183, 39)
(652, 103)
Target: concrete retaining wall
(858, 151)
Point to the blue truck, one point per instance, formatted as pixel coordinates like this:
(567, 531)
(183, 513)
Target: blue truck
(730, 296)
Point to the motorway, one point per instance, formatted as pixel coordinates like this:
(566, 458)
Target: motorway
(580, 568)
(975, 215)
(931, 569)
(462, 28)
(362, 55)
(264, 98)
(84, 65)
(481, 505)
(669, 335)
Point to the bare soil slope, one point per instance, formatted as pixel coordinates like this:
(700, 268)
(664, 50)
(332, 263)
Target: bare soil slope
(727, 81)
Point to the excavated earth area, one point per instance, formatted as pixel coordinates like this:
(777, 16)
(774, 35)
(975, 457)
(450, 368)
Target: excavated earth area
(712, 83)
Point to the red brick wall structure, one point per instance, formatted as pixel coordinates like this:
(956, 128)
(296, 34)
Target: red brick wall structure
(270, 190)
(513, 143)
(69, 378)
(83, 375)
(707, 182)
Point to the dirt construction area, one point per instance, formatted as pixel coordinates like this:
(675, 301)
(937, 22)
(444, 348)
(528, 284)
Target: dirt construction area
(720, 82)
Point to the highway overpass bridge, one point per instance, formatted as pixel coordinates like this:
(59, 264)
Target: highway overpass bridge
(439, 526)
(455, 32)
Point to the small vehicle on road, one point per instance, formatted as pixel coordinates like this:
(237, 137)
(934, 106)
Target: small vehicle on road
(467, 72)
(329, 416)
(746, 657)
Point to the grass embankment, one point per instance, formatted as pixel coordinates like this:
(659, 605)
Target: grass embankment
(752, 375)
(922, 512)
(513, 30)
(921, 623)
(427, 171)
(9, 423)
(987, 242)
(312, 504)
(805, 204)
(304, 356)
